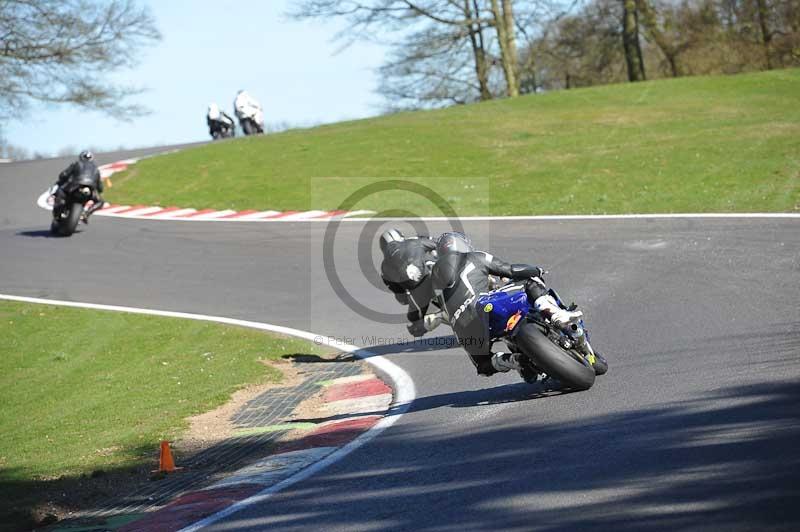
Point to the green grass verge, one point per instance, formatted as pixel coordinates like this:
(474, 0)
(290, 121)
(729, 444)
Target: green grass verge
(702, 144)
(85, 390)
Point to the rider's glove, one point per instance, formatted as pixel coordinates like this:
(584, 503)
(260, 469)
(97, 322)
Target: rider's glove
(417, 328)
(526, 271)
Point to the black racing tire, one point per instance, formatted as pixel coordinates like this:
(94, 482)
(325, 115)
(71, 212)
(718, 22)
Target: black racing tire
(249, 127)
(66, 226)
(572, 371)
(600, 365)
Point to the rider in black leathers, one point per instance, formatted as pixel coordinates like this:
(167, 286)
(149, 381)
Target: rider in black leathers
(82, 169)
(405, 270)
(461, 275)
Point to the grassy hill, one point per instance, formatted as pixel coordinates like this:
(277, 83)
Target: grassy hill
(703, 144)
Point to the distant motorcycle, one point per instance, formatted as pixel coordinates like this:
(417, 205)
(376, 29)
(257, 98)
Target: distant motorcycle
(251, 120)
(67, 214)
(564, 355)
(220, 125)
(249, 113)
(224, 131)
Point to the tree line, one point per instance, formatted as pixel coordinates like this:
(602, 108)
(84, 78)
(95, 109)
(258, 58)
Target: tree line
(458, 51)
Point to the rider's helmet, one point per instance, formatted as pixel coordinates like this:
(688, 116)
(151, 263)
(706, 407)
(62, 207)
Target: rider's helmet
(86, 155)
(241, 101)
(453, 242)
(213, 111)
(392, 235)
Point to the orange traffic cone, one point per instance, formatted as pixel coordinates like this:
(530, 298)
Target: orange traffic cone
(166, 464)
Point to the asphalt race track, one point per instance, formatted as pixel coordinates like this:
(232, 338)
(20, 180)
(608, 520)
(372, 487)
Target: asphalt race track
(695, 427)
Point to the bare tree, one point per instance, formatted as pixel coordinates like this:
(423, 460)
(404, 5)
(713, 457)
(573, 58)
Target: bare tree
(442, 50)
(504, 24)
(472, 12)
(433, 69)
(766, 33)
(62, 51)
(630, 41)
(580, 49)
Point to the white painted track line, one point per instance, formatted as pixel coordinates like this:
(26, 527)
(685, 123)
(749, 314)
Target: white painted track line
(568, 217)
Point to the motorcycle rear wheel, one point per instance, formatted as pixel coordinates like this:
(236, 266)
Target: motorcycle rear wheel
(572, 370)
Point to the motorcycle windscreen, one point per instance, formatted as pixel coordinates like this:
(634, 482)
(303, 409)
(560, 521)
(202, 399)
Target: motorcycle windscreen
(85, 179)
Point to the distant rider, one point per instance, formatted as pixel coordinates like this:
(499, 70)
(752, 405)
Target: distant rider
(247, 108)
(218, 121)
(461, 275)
(405, 270)
(82, 169)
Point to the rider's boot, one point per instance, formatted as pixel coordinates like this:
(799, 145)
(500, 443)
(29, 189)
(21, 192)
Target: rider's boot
(431, 321)
(88, 212)
(505, 362)
(546, 305)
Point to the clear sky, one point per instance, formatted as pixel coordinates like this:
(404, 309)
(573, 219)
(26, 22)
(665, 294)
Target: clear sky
(211, 49)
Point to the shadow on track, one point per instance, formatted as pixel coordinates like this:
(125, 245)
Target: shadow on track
(726, 460)
(507, 393)
(40, 233)
(45, 233)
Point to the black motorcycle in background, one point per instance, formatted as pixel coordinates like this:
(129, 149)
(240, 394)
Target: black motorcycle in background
(223, 131)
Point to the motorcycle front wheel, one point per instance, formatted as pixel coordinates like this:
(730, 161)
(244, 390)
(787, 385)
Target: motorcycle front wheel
(66, 226)
(600, 365)
(249, 127)
(571, 369)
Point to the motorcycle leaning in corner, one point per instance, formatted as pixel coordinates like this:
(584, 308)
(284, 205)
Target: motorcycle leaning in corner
(249, 113)
(562, 354)
(67, 213)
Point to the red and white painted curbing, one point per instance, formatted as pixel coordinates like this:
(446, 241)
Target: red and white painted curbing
(359, 403)
(152, 212)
